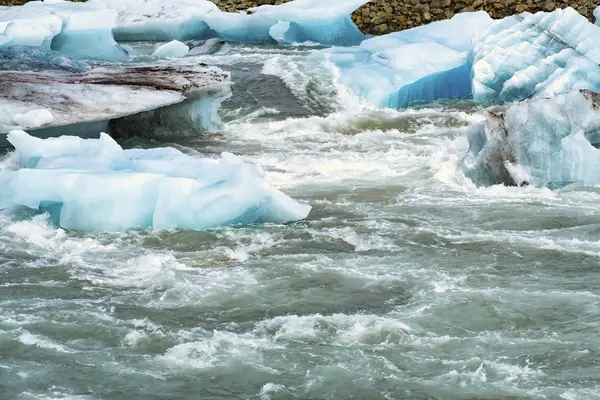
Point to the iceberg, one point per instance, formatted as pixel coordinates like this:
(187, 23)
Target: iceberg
(536, 55)
(79, 30)
(420, 64)
(95, 185)
(550, 142)
(327, 23)
(173, 49)
(38, 59)
(112, 94)
(34, 118)
(28, 26)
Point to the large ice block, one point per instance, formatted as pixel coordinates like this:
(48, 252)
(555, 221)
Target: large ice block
(324, 22)
(421, 64)
(94, 185)
(38, 59)
(28, 26)
(536, 55)
(544, 142)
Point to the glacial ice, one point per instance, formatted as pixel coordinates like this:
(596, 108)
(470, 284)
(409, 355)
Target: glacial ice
(79, 30)
(38, 59)
(420, 64)
(547, 142)
(29, 26)
(33, 118)
(316, 21)
(536, 55)
(210, 46)
(172, 49)
(597, 15)
(95, 185)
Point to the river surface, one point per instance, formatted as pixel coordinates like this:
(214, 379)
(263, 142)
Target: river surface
(407, 281)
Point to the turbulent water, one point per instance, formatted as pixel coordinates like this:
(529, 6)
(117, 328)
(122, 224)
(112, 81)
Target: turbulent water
(406, 281)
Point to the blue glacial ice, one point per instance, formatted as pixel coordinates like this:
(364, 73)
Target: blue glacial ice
(38, 59)
(420, 64)
(324, 22)
(548, 142)
(79, 30)
(95, 185)
(536, 55)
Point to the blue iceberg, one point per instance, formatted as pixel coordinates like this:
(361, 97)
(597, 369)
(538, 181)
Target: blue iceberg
(327, 23)
(420, 64)
(95, 185)
(536, 55)
(550, 142)
(76, 29)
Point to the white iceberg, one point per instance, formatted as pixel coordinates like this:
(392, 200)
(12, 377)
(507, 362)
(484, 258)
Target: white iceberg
(28, 26)
(76, 29)
(544, 142)
(536, 55)
(95, 185)
(173, 49)
(420, 64)
(33, 118)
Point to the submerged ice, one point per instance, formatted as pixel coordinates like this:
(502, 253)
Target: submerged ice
(420, 64)
(536, 55)
(95, 185)
(545, 142)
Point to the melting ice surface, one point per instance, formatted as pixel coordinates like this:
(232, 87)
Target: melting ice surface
(95, 185)
(544, 142)
(75, 29)
(420, 64)
(325, 22)
(540, 54)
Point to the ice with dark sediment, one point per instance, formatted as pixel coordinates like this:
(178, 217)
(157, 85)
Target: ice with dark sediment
(550, 142)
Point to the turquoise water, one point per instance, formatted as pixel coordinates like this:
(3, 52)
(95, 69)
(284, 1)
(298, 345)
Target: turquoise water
(406, 281)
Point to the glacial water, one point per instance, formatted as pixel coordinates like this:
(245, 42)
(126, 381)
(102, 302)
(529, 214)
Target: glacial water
(407, 281)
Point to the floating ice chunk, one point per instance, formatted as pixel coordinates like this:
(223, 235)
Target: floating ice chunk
(540, 54)
(421, 64)
(161, 20)
(28, 26)
(173, 49)
(324, 22)
(38, 59)
(545, 142)
(33, 118)
(95, 185)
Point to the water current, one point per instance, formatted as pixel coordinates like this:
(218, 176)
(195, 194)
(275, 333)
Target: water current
(406, 281)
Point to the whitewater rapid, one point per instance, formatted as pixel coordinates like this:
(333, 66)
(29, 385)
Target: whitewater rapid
(406, 280)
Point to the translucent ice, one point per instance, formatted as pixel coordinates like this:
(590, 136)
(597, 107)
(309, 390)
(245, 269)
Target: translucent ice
(531, 55)
(95, 185)
(421, 64)
(545, 142)
(173, 49)
(325, 22)
(28, 26)
(33, 118)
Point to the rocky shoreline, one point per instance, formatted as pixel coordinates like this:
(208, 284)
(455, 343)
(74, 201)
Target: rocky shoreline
(385, 16)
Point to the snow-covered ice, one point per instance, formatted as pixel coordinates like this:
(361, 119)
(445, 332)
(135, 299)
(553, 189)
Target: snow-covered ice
(95, 185)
